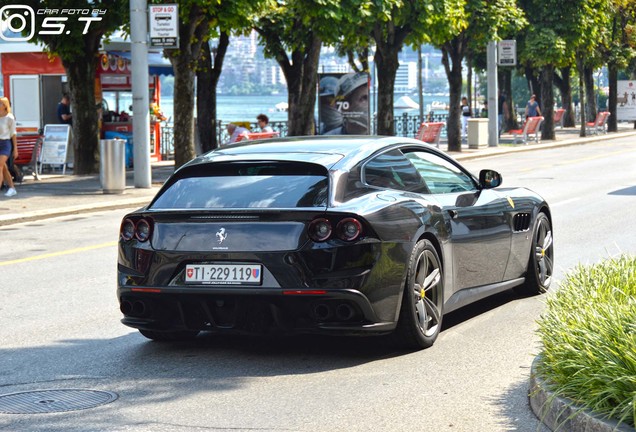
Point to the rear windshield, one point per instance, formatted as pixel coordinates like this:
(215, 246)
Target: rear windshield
(246, 185)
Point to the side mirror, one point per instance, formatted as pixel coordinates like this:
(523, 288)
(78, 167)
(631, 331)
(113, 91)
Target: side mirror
(489, 179)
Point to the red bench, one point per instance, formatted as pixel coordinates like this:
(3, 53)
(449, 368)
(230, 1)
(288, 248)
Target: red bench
(430, 132)
(598, 125)
(28, 151)
(256, 135)
(532, 126)
(559, 117)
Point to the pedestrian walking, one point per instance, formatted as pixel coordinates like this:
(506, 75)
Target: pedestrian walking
(465, 116)
(532, 107)
(8, 144)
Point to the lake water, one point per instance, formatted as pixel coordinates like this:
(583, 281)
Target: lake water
(246, 108)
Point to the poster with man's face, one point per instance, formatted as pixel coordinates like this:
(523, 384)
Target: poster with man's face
(344, 104)
(626, 100)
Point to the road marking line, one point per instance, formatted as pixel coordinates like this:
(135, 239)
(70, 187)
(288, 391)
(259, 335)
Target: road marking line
(567, 201)
(56, 254)
(573, 161)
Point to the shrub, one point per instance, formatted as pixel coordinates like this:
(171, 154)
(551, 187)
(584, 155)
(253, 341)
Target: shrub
(588, 333)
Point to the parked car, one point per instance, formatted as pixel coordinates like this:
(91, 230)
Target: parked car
(334, 235)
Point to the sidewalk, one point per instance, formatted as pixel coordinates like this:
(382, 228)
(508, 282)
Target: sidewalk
(58, 195)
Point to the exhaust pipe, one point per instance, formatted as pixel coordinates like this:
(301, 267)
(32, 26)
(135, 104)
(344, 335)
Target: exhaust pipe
(322, 312)
(138, 308)
(344, 312)
(125, 307)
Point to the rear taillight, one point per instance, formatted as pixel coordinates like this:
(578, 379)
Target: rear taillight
(140, 229)
(319, 230)
(127, 229)
(348, 229)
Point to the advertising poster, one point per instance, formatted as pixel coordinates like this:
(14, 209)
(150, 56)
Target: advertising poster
(55, 145)
(626, 100)
(343, 104)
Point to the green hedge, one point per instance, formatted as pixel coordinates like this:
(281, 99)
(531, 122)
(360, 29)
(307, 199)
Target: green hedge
(588, 336)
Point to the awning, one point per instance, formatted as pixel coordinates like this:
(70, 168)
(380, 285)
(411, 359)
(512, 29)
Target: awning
(157, 64)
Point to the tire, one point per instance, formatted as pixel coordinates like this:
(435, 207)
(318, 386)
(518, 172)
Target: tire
(421, 311)
(169, 336)
(541, 260)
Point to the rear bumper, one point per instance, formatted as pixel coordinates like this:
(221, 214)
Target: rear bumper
(251, 311)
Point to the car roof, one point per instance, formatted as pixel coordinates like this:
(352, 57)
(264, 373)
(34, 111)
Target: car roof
(344, 150)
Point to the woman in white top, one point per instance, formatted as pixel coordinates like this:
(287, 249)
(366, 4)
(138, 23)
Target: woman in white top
(8, 143)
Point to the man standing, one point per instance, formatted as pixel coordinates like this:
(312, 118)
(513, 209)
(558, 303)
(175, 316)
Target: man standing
(64, 115)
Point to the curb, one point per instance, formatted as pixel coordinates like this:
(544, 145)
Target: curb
(15, 218)
(562, 414)
(519, 148)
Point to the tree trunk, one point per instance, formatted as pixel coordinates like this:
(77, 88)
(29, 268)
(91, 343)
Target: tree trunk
(192, 34)
(81, 79)
(301, 76)
(588, 75)
(565, 88)
(547, 96)
(452, 56)
(207, 81)
(579, 64)
(386, 60)
(206, 100)
(534, 83)
(183, 111)
(612, 121)
(505, 83)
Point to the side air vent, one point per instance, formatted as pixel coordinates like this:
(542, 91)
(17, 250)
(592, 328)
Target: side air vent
(521, 222)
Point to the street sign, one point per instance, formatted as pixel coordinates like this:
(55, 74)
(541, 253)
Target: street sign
(164, 25)
(507, 53)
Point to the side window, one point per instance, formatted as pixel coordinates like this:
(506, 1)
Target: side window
(393, 170)
(440, 175)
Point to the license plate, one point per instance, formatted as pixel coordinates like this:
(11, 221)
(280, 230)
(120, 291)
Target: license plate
(224, 274)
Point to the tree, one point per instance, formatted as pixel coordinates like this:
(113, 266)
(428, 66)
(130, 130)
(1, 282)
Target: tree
(75, 39)
(482, 22)
(562, 34)
(230, 17)
(620, 50)
(292, 33)
(390, 25)
(208, 74)
(195, 19)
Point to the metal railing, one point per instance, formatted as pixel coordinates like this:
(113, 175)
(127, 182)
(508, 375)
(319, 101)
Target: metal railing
(406, 125)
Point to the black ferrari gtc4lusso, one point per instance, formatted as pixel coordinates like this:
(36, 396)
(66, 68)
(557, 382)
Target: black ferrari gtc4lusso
(333, 235)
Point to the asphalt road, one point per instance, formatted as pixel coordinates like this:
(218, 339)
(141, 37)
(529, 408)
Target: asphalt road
(59, 329)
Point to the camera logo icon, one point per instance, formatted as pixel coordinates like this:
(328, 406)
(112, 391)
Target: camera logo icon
(14, 19)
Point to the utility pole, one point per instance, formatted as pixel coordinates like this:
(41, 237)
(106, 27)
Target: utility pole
(493, 105)
(420, 88)
(141, 103)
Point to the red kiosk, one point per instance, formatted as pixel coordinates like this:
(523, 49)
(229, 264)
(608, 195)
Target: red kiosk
(35, 82)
